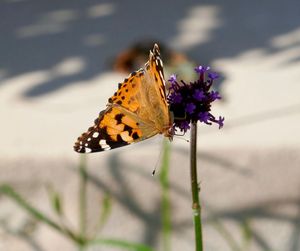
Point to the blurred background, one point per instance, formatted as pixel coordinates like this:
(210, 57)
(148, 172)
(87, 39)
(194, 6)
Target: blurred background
(59, 63)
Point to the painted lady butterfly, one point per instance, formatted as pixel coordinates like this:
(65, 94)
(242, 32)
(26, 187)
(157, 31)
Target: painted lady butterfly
(137, 111)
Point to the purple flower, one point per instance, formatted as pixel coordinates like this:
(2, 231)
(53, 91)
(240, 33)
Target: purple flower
(220, 121)
(184, 126)
(172, 79)
(191, 102)
(213, 75)
(190, 108)
(214, 95)
(199, 95)
(177, 98)
(204, 117)
(202, 69)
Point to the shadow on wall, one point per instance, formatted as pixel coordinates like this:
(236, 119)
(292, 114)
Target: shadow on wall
(65, 42)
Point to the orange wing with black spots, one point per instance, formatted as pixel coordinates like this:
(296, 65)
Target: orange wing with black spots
(138, 110)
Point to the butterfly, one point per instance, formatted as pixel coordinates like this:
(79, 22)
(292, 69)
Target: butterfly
(137, 111)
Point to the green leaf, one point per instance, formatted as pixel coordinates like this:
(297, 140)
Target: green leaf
(37, 214)
(247, 233)
(105, 210)
(226, 234)
(55, 201)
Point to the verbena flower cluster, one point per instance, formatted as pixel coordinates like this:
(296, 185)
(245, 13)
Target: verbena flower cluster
(191, 102)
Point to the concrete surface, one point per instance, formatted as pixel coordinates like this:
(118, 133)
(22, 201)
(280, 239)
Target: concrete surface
(55, 78)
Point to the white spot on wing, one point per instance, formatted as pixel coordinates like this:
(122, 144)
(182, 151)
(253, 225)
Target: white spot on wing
(95, 134)
(161, 62)
(104, 145)
(102, 142)
(88, 150)
(161, 75)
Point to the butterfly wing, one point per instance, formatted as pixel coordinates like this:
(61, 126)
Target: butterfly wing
(138, 110)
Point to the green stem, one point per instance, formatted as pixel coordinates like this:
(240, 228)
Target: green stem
(195, 189)
(82, 196)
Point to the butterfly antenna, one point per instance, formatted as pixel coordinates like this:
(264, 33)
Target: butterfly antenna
(156, 164)
(158, 160)
(153, 172)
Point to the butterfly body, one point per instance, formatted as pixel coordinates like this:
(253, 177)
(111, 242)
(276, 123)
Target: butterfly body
(138, 110)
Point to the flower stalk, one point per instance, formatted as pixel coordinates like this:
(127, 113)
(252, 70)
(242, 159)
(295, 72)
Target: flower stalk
(195, 189)
(190, 103)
